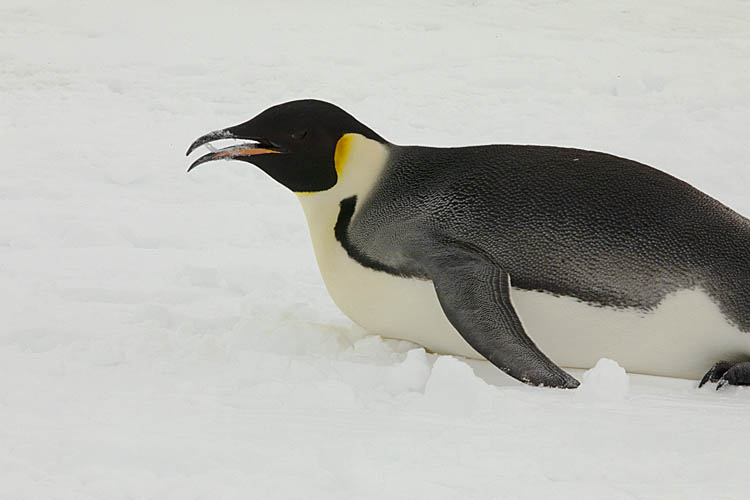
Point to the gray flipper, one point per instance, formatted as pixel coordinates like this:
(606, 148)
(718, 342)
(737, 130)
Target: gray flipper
(475, 296)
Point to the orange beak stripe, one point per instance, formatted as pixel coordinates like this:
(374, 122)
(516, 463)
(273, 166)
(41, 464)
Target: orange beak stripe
(244, 152)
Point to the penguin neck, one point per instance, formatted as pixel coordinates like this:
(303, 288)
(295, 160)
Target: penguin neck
(359, 163)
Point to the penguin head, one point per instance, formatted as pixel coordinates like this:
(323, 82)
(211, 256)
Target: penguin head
(295, 143)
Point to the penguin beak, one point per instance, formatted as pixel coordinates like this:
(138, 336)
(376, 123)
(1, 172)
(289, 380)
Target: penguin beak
(238, 151)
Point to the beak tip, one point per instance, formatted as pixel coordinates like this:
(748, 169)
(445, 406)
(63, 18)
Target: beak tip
(192, 148)
(224, 153)
(194, 164)
(211, 136)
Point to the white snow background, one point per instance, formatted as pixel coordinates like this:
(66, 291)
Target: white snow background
(168, 336)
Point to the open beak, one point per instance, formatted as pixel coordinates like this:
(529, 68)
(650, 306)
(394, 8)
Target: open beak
(238, 151)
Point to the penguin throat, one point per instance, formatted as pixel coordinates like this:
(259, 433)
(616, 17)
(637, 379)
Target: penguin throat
(359, 164)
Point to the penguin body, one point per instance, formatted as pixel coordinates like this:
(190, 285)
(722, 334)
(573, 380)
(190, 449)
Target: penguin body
(529, 256)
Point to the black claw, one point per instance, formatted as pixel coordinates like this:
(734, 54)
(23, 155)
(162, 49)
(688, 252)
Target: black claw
(715, 373)
(738, 374)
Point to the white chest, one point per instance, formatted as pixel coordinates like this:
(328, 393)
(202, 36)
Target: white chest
(385, 304)
(379, 302)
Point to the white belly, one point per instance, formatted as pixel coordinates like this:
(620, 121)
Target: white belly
(683, 337)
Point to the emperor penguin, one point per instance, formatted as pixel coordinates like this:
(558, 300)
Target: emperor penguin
(532, 257)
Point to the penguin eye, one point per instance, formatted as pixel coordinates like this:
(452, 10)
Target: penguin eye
(298, 136)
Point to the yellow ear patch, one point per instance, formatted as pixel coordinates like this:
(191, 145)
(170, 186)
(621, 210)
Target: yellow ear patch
(343, 148)
(340, 156)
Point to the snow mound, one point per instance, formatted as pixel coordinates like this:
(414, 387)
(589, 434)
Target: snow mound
(410, 375)
(453, 388)
(607, 381)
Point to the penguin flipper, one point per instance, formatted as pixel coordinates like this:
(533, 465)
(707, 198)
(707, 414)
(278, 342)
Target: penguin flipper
(475, 296)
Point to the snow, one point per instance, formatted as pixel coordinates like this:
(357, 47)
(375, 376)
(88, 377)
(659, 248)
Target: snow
(167, 335)
(606, 382)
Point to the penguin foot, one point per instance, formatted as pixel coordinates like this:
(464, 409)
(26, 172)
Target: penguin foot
(715, 373)
(724, 373)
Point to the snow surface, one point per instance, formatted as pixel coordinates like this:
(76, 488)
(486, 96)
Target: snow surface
(168, 336)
